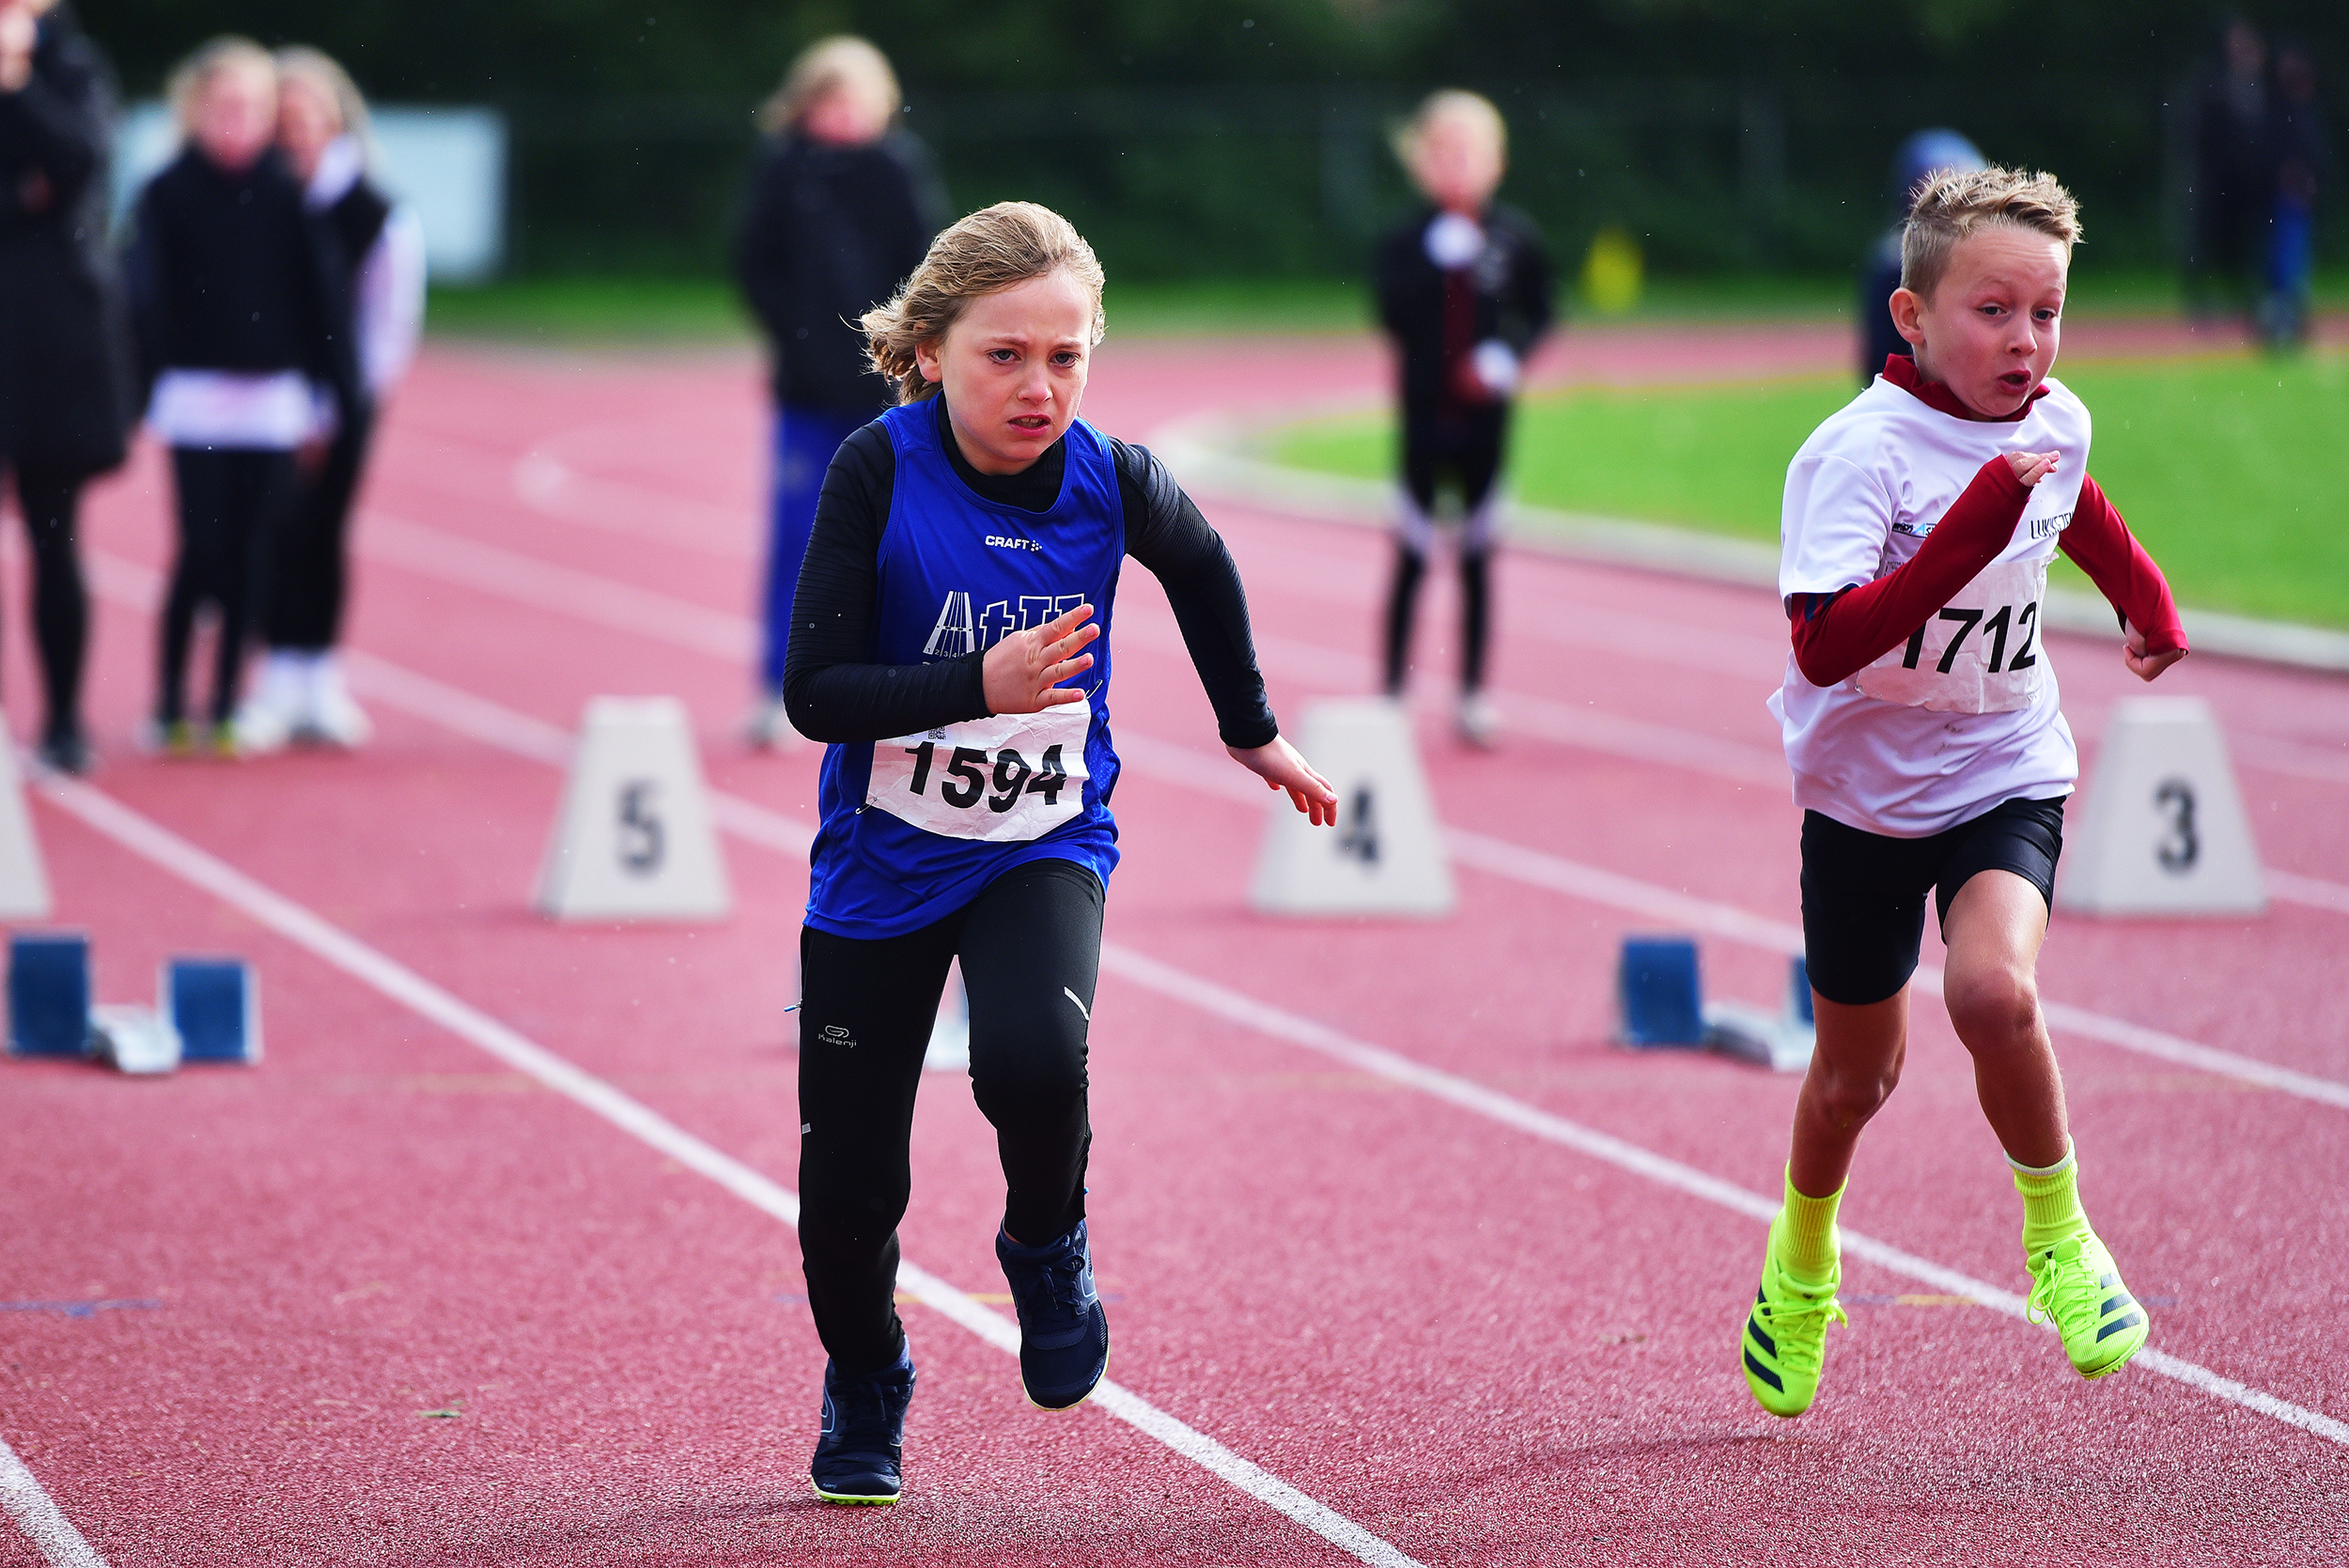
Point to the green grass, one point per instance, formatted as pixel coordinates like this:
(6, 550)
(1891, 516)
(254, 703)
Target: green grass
(669, 308)
(660, 309)
(2235, 472)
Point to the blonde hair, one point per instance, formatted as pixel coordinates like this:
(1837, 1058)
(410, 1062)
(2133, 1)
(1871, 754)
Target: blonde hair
(1954, 205)
(322, 71)
(843, 60)
(191, 76)
(1442, 105)
(995, 248)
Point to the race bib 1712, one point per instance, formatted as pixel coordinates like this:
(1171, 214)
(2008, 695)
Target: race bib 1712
(1004, 780)
(1978, 654)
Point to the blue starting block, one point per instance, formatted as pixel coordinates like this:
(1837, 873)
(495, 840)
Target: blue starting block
(215, 1007)
(1657, 986)
(1798, 1007)
(49, 994)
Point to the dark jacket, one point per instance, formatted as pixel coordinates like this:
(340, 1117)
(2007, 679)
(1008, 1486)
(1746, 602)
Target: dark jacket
(828, 232)
(1512, 294)
(64, 367)
(229, 271)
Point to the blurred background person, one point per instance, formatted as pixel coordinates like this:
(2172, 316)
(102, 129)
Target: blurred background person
(1465, 290)
(841, 210)
(2303, 157)
(237, 296)
(2234, 176)
(322, 133)
(1920, 158)
(63, 383)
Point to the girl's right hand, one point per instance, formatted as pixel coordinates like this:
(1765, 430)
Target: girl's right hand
(1023, 674)
(2031, 467)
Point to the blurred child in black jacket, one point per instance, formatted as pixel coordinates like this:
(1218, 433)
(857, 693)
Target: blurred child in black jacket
(1465, 291)
(241, 310)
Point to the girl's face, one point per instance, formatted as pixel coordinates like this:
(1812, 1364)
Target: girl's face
(307, 120)
(236, 116)
(1458, 163)
(847, 115)
(1013, 368)
(1990, 330)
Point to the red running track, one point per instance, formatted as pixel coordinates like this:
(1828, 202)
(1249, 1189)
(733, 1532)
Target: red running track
(388, 1300)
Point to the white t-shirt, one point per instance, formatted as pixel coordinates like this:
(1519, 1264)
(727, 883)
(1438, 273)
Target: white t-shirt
(1966, 716)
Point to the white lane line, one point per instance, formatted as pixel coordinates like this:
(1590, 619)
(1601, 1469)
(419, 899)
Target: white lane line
(789, 836)
(1265, 1018)
(2307, 890)
(589, 597)
(1534, 868)
(481, 720)
(619, 606)
(51, 1532)
(157, 844)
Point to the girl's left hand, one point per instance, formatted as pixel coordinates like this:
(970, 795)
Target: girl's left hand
(1280, 767)
(2144, 665)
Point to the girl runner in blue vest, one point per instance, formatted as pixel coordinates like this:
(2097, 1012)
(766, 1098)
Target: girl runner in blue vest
(949, 641)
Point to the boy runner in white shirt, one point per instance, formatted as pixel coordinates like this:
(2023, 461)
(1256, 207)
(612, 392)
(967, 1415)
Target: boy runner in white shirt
(1921, 719)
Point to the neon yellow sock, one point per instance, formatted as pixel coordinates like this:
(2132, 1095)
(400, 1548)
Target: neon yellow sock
(1807, 1243)
(2051, 1202)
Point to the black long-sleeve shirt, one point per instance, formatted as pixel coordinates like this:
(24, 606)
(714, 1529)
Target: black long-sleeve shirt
(1506, 291)
(833, 692)
(827, 233)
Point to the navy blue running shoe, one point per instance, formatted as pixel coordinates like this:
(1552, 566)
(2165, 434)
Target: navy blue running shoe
(859, 1453)
(1063, 1333)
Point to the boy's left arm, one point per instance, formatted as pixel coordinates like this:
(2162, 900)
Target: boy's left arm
(2102, 546)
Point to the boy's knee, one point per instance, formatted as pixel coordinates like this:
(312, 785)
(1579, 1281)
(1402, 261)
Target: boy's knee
(1851, 1097)
(1994, 1007)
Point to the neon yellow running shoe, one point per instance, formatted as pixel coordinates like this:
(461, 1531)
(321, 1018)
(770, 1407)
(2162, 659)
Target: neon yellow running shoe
(1785, 1336)
(2076, 1286)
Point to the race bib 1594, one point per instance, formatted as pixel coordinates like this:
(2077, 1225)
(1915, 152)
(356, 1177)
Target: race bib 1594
(1004, 780)
(1978, 654)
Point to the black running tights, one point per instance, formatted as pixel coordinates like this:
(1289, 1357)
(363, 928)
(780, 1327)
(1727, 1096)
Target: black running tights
(1031, 949)
(310, 577)
(51, 502)
(233, 502)
(1467, 448)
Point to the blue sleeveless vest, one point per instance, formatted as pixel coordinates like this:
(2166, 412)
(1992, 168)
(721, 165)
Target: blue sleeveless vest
(956, 572)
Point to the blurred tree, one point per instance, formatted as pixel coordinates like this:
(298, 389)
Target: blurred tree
(1209, 136)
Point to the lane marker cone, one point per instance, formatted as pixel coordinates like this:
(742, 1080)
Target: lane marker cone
(634, 838)
(1386, 855)
(2162, 830)
(24, 883)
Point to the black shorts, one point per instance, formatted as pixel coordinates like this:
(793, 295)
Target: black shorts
(1863, 894)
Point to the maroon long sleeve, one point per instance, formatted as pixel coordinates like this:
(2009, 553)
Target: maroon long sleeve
(2104, 549)
(1836, 635)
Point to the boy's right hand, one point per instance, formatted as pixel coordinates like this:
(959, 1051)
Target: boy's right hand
(2031, 467)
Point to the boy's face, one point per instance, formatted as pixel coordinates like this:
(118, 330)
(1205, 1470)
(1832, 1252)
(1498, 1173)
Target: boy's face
(1458, 163)
(1014, 367)
(1989, 331)
(235, 114)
